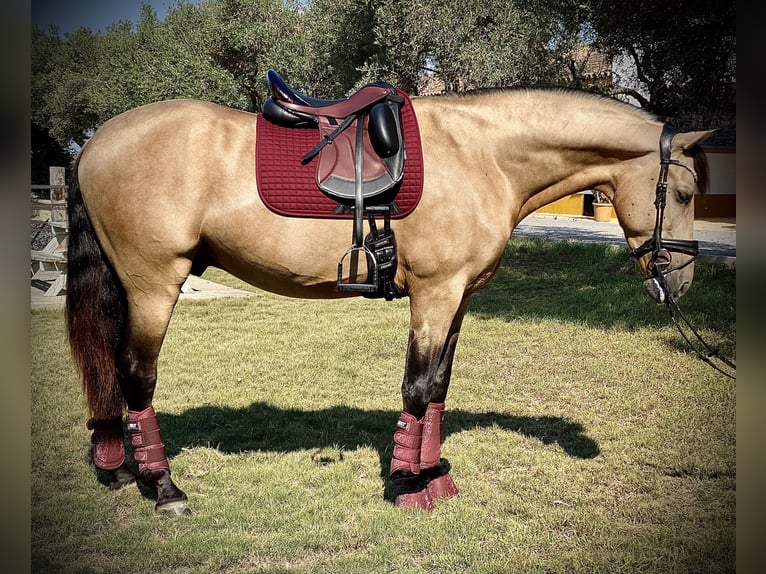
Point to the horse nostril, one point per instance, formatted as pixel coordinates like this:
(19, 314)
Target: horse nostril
(682, 289)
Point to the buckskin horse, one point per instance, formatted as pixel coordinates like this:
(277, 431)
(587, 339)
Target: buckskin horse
(170, 188)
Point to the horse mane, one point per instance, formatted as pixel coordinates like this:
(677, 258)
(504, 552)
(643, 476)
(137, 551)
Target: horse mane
(701, 167)
(572, 92)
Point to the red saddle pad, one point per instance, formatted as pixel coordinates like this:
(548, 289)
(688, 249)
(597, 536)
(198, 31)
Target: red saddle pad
(289, 188)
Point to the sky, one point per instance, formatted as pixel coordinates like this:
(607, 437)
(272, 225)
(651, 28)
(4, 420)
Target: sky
(94, 14)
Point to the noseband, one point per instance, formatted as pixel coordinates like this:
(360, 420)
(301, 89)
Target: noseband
(659, 264)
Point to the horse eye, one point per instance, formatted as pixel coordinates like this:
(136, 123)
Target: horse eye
(684, 196)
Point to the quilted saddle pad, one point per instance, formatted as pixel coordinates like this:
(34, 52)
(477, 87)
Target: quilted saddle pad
(288, 188)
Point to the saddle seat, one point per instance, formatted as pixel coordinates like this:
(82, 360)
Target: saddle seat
(303, 105)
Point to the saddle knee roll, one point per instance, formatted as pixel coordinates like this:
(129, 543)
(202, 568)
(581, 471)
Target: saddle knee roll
(383, 128)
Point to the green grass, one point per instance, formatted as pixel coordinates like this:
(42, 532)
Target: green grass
(583, 437)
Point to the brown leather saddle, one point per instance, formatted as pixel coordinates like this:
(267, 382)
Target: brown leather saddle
(361, 160)
(370, 119)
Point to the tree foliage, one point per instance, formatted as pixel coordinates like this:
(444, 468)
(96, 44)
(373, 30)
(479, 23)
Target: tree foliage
(160, 60)
(62, 81)
(683, 53)
(679, 57)
(250, 36)
(472, 43)
(340, 41)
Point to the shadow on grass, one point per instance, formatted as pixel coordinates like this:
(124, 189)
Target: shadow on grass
(264, 427)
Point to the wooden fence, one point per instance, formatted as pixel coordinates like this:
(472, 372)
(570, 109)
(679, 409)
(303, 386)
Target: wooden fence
(48, 265)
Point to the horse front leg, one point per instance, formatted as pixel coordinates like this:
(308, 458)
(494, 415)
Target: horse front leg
(419, 475)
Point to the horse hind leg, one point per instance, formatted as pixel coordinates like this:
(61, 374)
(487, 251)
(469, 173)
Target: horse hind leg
(136, 362)
(115, 335)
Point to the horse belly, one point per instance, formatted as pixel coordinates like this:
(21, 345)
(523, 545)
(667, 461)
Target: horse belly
(296, 257)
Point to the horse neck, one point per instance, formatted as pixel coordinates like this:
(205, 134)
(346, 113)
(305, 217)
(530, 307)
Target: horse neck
(550, 144)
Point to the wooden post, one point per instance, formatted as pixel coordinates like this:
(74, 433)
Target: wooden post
(57, 177)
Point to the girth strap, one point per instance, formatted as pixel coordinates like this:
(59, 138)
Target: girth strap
(148, 448)
(358, 235)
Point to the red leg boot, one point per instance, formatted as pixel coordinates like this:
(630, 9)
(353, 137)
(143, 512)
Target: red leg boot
(408, 487)
(436, 469)
(148, 448)
(108, 448)
(109, 451)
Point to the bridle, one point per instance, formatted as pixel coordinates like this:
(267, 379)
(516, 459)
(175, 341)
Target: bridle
(660, 249)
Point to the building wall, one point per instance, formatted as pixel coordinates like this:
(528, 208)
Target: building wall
(721, 198)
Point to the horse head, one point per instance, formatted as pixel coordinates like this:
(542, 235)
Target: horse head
(654, 202)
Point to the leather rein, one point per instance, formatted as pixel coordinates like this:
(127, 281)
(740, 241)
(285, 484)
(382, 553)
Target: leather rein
(660, 249)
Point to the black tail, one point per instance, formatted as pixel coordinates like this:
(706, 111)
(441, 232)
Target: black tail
(95, 309)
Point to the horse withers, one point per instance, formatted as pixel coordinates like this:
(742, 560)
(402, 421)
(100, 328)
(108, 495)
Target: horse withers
(168, 189)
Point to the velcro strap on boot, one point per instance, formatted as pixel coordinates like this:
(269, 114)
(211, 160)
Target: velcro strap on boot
(148, 448)
(430, 450)
(108, 446)
(151, 455)
(407, 443)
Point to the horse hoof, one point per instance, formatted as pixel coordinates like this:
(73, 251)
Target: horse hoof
(173, 508)
(121, 477)
(442, 487)
(417, 500)
(121, 483)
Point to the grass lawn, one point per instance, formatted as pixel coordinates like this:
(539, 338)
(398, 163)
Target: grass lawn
(584, 436)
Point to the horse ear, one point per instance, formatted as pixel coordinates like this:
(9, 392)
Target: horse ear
(688, 140)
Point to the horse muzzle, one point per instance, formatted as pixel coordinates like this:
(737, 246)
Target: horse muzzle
(667, 282)
(670, 267)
